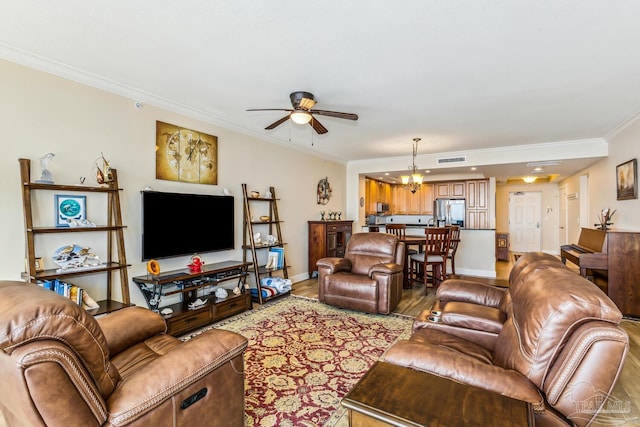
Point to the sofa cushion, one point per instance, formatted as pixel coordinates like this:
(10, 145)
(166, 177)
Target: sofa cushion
(473, 316)
(367, 249)
(50, 316)
(548, 304)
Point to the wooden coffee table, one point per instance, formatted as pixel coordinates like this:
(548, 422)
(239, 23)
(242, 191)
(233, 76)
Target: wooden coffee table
(391, 395)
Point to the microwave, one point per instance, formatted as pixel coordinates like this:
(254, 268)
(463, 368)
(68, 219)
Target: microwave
(382, 207)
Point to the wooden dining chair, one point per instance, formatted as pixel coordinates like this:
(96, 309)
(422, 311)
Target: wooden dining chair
(454, 240)
(434, 257)
(400, 230)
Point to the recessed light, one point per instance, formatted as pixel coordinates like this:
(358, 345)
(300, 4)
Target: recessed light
(538, 169)
(473, 168)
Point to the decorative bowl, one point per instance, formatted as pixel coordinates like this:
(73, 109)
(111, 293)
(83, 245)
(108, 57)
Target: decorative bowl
(265, 218)
(255, 194)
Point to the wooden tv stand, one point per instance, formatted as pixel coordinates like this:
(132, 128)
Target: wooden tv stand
(191, 286)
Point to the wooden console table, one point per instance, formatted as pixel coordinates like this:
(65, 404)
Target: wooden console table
(391, 395)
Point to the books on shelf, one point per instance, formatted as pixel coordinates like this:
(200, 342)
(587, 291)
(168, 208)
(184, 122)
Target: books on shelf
(275, 258)
(71, 291)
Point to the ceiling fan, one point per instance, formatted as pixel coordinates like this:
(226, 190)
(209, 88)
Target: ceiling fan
(302, 112)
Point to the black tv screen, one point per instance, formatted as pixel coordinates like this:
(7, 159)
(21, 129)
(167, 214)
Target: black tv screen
(176, 224)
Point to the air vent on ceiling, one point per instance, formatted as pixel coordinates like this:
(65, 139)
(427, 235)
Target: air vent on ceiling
(450, 160)
(544, 163)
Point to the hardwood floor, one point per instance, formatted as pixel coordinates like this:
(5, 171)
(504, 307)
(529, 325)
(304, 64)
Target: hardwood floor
(626, 392)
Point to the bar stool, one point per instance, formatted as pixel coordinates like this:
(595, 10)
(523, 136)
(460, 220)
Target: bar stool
(400, 230)
(434, 256)
(454, 239)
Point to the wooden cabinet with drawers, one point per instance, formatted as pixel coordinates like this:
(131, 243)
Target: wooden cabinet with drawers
(327, 239)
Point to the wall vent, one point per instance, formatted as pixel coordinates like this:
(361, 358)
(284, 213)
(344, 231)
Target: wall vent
(450, 160)
(572, 196)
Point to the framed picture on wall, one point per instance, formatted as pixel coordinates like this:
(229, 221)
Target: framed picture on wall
(627, 180)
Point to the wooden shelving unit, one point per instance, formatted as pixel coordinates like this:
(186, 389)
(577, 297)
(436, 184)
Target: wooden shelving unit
(114, 230)
(251, 249)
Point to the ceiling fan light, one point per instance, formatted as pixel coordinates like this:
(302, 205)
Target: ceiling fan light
(301, 117)
(405, 179)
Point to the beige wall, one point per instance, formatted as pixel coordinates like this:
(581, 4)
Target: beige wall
(41, 113)
(624, 145)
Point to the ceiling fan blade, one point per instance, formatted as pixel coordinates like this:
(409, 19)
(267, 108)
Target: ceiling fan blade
(348, 116)
(277, 123)
(270, 109)
(317, 126)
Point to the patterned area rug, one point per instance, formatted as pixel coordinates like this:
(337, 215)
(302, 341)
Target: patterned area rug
(304, 356)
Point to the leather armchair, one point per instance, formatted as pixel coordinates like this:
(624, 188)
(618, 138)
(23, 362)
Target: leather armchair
(368, 278)
(474, 310)
(62, 367)
(560, 348)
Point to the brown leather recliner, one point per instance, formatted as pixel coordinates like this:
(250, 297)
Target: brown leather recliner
(560, 349)
(62, 367)
(474, 310)
(368, 278)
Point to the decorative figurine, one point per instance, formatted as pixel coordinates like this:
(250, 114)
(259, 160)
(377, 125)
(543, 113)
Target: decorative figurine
(196, 264)
(46, 177)
(605, 218)
(321, 215)
(104, 175)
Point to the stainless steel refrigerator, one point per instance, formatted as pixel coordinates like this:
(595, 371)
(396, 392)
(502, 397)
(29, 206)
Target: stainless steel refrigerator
(449, 212)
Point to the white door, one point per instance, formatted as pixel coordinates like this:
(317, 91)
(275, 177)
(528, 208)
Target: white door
(562, 215)
(524, 221)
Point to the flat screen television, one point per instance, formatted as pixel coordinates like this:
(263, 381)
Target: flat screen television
(175, 224)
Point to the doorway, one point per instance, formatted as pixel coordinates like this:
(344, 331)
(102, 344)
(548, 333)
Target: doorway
(525, 212)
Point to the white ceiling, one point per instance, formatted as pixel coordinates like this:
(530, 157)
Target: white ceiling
(460, 74)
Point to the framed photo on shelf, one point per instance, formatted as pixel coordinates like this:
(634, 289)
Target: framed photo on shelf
(39, 264)
(68, 208)
(627, 180)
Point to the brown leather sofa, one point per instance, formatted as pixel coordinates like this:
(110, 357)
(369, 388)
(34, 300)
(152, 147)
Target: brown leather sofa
(368, 278)
(560, 348)
(59, 366)
(474, 310)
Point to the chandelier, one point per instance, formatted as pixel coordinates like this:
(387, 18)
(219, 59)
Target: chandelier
(416, 178)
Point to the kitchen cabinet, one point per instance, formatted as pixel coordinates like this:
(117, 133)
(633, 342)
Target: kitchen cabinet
(426, 194)
(477, 203)
(450, 189)
(373, 195)
(399, 200)
(376, 191)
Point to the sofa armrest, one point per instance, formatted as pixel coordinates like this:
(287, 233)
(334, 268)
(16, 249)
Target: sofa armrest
(160, 379)
(129, 326)
(471, 292)
(465, 370)
(385, 268)
(334, 264)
